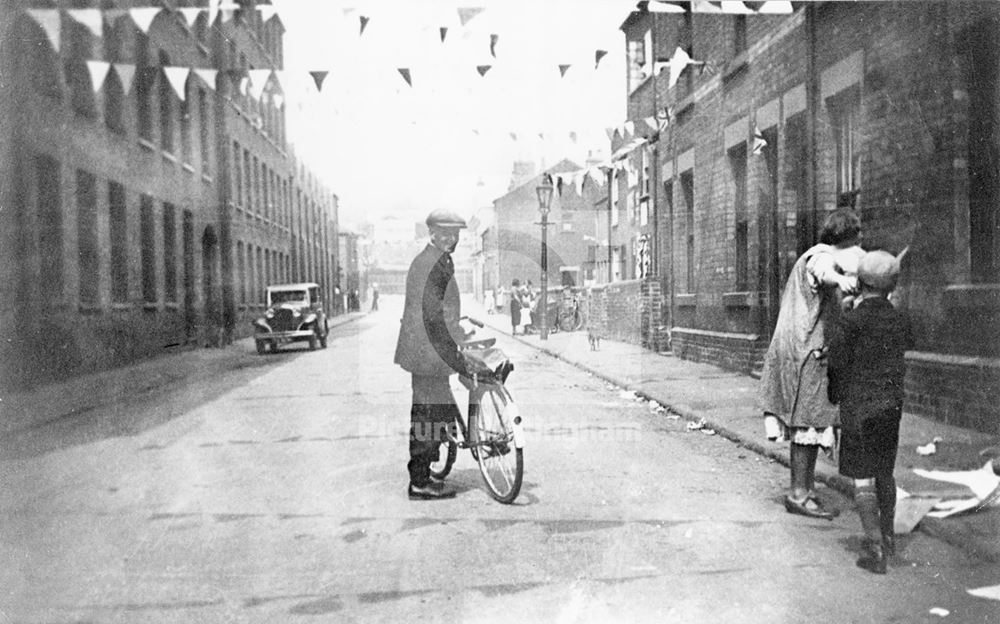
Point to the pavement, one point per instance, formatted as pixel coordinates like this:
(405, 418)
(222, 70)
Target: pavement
(723, 402)
(713, 399)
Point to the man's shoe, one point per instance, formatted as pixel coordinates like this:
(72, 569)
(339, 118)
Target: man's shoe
(430, 491)
(803, 508)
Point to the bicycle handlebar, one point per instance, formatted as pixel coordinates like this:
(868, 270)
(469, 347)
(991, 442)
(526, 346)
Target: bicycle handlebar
(474, 321)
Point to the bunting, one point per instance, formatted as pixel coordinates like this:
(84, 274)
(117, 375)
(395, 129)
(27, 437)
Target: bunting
(444, 32)
(49, 20)
(562, 70)
(267, 11)
(207, 75)
(190, 15)
(704, 6)
(735, 7)
(598, 55)
(493, 45)
(143, 17)
(91, 18)
(482, 69)
(776, 7)
(318, 77)
(758, 141)
(466, 13)
(98, 72)
(213, 10)
(655, 6)
(125, 73)
(258, 82)
(364, 22)
(177, 77)
(405, 73)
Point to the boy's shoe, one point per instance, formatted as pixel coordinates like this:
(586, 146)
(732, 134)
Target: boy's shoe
(430, 491)
(809, 507)
(874, 558)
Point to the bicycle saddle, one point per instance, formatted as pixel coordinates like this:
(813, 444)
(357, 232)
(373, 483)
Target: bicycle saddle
(485, 343)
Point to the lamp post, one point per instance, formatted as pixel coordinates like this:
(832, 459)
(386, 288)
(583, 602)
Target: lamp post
(544, 191)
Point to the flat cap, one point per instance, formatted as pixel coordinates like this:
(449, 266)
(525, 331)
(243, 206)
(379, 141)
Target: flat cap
(879, 269)
(445, 218)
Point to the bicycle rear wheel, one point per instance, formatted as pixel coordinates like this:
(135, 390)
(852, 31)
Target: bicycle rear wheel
(446, 459)
(501, 461)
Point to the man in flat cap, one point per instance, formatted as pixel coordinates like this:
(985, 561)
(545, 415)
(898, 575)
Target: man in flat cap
(428, 349)
(866, 369)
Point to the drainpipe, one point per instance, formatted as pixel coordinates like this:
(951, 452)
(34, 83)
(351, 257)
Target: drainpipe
(812, 102)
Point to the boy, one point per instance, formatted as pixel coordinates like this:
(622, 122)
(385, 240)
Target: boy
(866, 369)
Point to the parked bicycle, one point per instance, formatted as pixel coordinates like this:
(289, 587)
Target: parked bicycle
(492, 431)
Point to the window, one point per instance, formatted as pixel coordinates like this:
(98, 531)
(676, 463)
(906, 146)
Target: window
(41, 61)
(148, 249)
(166, 107)
(614, 199)
(203, 133)
(639, 61)
(50, 251)
(86, 228)
(264, 193)
(188, 237)
(687, 189)
(260, 276)
(145, 78)
(114, 93)
(119, 242)
(738, 166)
(256, 186)
(981, 71)
(237, 174)
(241, 269)
(739, 34)
(77, 76)
(251, 276)
(169, 253)
(247, 204)
(845, 109)
(185, 110)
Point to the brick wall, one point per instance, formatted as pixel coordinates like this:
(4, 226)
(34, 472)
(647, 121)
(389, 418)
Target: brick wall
(629, 311)
(738, 352)
(956, 390)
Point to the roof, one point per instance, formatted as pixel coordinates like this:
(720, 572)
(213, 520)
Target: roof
(299, 286)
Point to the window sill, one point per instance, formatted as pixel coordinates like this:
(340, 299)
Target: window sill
(147, 144)
(121, 305)
(735, 65)
(90, 308)
(168, 156)
(739, 299)
(172, 305)
(150, 307)
(207, 179)
(685, 300)
(188, 167)
(972, 296)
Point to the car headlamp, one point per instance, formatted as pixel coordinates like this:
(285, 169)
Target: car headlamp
(269, 314)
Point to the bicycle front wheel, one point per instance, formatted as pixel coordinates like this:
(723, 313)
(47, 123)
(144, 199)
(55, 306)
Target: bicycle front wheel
(501, 462)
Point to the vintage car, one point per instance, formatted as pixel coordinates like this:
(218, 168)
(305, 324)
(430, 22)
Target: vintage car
(294, 313)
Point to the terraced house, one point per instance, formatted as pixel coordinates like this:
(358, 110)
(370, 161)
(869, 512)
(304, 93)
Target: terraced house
(892, 108)
(149, 190)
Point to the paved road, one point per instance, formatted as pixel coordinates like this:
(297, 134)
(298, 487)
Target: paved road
(272, 489)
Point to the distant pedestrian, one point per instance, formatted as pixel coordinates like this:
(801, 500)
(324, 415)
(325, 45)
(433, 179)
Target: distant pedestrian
(427, 348)
(866, 369)
(501, 299)
(515, 306)
(374, 298)
(488, 302)
(793, 387)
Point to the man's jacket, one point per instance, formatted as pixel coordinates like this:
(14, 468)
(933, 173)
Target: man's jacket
(429, 329)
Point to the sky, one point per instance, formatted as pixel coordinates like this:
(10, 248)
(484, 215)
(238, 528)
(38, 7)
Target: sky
(387, 148)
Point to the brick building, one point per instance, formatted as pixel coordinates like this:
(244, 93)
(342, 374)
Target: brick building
(147, 213)
(511, 245)
(890, 107)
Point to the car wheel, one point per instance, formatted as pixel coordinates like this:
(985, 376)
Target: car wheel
(261, 347)
(312, 342)
(274, 346)
(322, 339)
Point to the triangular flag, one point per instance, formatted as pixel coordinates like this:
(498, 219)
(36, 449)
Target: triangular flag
(466, 14)
(578, 179)
(258, 81)
(493, 45)
(112, 15)
(629, 128)
(405, 73)
(364, 22)
(650, 123)
(98, 72)
(704, 6)
(177, 76)
(663, 118)
(610, 132)
(244, 84)
(279, 100)
(267, 11)
(144, 16)
(318, 77)
(572, 137)
(758, 140)
(598, 55)
(213, 10)
(482, 69)
(125, 73)
(190, 15)
(91, 18)
(735, 7)
(513, 136)
(677, 63)
(775, 7)
(562, 70)
(207, 75)
(49, 20)
(444, 32)
(596, 177)
(655, 6)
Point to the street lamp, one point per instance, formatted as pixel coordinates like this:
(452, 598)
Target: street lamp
(544, 191)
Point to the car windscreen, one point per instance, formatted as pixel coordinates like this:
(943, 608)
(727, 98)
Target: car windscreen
(288, 296)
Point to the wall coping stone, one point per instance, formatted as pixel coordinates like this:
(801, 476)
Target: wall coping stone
(953, 360)
(713, 334)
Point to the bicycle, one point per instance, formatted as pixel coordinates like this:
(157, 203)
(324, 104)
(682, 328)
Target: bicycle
(494, 433)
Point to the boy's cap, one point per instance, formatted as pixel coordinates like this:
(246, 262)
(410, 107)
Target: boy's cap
(879, 269)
